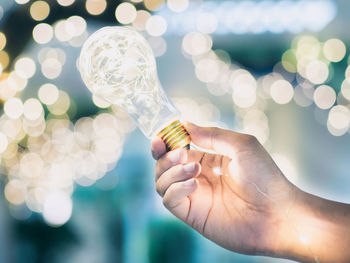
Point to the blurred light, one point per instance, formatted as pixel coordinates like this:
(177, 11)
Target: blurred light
(61, 105)
(65, 2)
(42, 33)
(51, 68)
(154, 5)
(15, 192)
(324, 97)
(48, 94)
(125, 13)
(158, 45)
(2, 41)
(345, 88)
(317, 72)
(75, 26)
(196, 43)
(57, 208)
(289, 61)
(39, 10)
(347, 72)
(6, 91)
(286, 166)
(61, 31)
(178, 5)
(243, 88)
(4, 59)
(206, 23)
(3, 142)
(16, 82)
(95, 7)
(99, 102)
(22, 2)
(281, 91)
(25, 67)
(32, 109)
(31, 165)
(141, 19)
(338, 120)
(156, 25)
(334, 50)
(207, 70)
(13, 108)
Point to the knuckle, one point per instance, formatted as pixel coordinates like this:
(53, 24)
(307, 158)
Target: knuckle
(159, 189)
(249, 139)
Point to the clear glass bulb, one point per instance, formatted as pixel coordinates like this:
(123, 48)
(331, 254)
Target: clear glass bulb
(117, 64)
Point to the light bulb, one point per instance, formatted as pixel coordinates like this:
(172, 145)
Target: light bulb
(117, 64)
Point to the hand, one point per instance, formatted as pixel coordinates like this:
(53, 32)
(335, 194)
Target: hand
(217, 194)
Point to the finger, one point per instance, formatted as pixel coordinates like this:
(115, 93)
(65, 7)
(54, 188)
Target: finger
(175, 198)
(170, 159)
(222, 141)
(175, 174)
(157, 147)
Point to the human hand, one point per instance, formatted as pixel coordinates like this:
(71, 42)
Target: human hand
(232, 197)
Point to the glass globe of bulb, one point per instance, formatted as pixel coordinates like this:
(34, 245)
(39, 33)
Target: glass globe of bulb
(117, 64)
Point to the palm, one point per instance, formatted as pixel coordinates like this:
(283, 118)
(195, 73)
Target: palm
(227, 204)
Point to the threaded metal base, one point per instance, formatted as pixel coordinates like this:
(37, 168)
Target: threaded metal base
(175, 136)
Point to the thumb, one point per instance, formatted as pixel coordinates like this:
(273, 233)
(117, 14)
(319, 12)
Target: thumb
(221, 141)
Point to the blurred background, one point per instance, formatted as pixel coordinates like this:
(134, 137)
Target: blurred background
(76, 181)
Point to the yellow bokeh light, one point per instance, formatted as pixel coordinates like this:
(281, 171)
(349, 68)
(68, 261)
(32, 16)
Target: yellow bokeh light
(48, 94)
(39, 10)
(141, 19)
(42, 33)
(2, 41)
(15, 192)
(178, 5)
(25, 67)
(281, 91)
(334, 50)
(154, 5)
(125, 13)
(156, 26)
(324, 97)
(4, 59)
(289, 61)
(61, 105)
(13, 108)
(95, 7)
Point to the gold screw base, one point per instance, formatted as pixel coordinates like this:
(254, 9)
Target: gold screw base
(175, 136)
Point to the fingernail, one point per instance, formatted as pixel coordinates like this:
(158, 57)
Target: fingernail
(189, 168)
(189, 182)
(174, 156)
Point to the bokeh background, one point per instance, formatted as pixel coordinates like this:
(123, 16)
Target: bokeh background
(76, 181)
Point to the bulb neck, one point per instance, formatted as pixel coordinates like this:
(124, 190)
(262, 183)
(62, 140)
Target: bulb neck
(175, 136)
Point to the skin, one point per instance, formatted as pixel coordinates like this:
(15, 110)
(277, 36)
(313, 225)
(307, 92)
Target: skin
(238, 198)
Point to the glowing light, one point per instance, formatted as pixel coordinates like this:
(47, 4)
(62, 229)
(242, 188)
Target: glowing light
(345, 88)
(57, 208)
(317, 72)
(31, 165)
(4, 59)
(207, 70)
(125, 13)
(154, 5)
(65, 2)
(95, 7)
(303, 239)
(101, 103)
(178, 5)
(243, 88)
(32, 109)
(156, 25)
(217, 171)
(39, 10)
(3, 142)
(75, 26)
(206, 23)
(196, 43)
(22, 2)
(16, 82)
(48, 94)
(141, 19)
(281, 91)
(2, 41)
(334, 50)
(61, 31)
(51, 68)
(13, 108)
(15, 192)
(324, 97)
(61, 105)
(25, 67)
(42, 33)
(339, 117)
